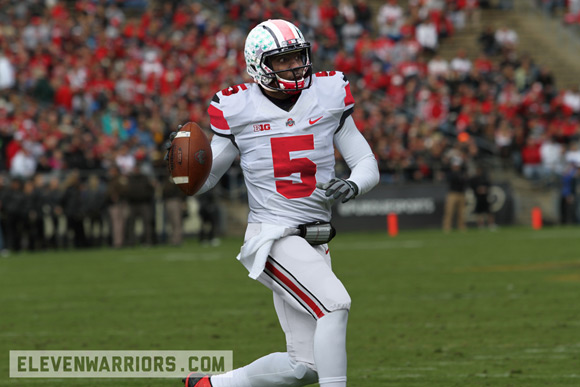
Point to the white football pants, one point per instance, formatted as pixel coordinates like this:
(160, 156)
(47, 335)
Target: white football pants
(312, 306)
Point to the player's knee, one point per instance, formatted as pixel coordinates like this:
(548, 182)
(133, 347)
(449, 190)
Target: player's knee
(337, 318)
(305, 372)
(340, 301)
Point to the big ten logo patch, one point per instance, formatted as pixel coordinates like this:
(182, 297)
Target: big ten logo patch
(261, 127)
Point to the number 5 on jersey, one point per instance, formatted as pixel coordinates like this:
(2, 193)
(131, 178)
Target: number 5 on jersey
(284, 166)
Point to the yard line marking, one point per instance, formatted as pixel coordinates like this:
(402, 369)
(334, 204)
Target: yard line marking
(566, 278)
(558, 349)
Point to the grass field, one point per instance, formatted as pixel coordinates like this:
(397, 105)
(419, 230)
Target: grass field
(465, 309)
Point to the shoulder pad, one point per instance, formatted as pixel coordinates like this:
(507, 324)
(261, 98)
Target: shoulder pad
(226, 106)
(334, 89)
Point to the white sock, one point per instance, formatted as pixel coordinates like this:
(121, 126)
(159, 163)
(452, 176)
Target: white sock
(275, 369)
(330, 349)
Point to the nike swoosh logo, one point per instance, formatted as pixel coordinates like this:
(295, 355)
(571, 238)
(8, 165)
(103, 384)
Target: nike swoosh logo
(312, 122)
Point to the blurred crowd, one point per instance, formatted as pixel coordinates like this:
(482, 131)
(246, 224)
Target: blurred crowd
(97, 85)
(568, 10)
(84, 210)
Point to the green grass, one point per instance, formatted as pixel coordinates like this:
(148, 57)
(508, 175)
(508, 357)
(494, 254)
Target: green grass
(429, 309)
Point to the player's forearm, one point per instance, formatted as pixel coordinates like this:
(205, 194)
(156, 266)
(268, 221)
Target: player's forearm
(358, 156)
(224, 153)
(365, 174)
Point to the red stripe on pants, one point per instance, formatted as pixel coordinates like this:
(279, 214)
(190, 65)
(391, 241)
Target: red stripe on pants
(292, 286)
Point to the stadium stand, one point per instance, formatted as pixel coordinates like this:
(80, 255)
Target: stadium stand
(89, 88)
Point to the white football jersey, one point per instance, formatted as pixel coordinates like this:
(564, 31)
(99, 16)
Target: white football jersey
(284, 153)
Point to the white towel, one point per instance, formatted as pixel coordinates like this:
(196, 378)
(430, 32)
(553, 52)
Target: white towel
(254, 252)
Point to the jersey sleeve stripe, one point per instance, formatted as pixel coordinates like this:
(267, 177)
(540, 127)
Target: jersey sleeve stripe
(217, 119)
(348, 99)
(343, 118)
(231, 137)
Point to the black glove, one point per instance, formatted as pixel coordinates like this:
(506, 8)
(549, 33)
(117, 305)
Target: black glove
(170, 141)
(339, 189)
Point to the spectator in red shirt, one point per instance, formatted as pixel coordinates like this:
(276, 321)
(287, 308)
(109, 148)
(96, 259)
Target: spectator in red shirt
(327, 11)
(376, 79)
(345, 62)
(532, 160)
(63, 95)
(482, 63)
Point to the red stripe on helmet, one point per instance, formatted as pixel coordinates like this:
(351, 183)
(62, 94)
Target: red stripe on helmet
(292, 286)
(285, 29)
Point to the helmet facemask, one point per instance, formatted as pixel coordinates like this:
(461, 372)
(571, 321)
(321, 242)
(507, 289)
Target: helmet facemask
(272, 79)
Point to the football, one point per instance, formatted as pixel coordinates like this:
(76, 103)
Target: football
(190, 158)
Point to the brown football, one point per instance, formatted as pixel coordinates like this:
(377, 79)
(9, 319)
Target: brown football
(190, 158)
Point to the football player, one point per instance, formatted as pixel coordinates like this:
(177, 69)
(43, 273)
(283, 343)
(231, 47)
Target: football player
(285, 127)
